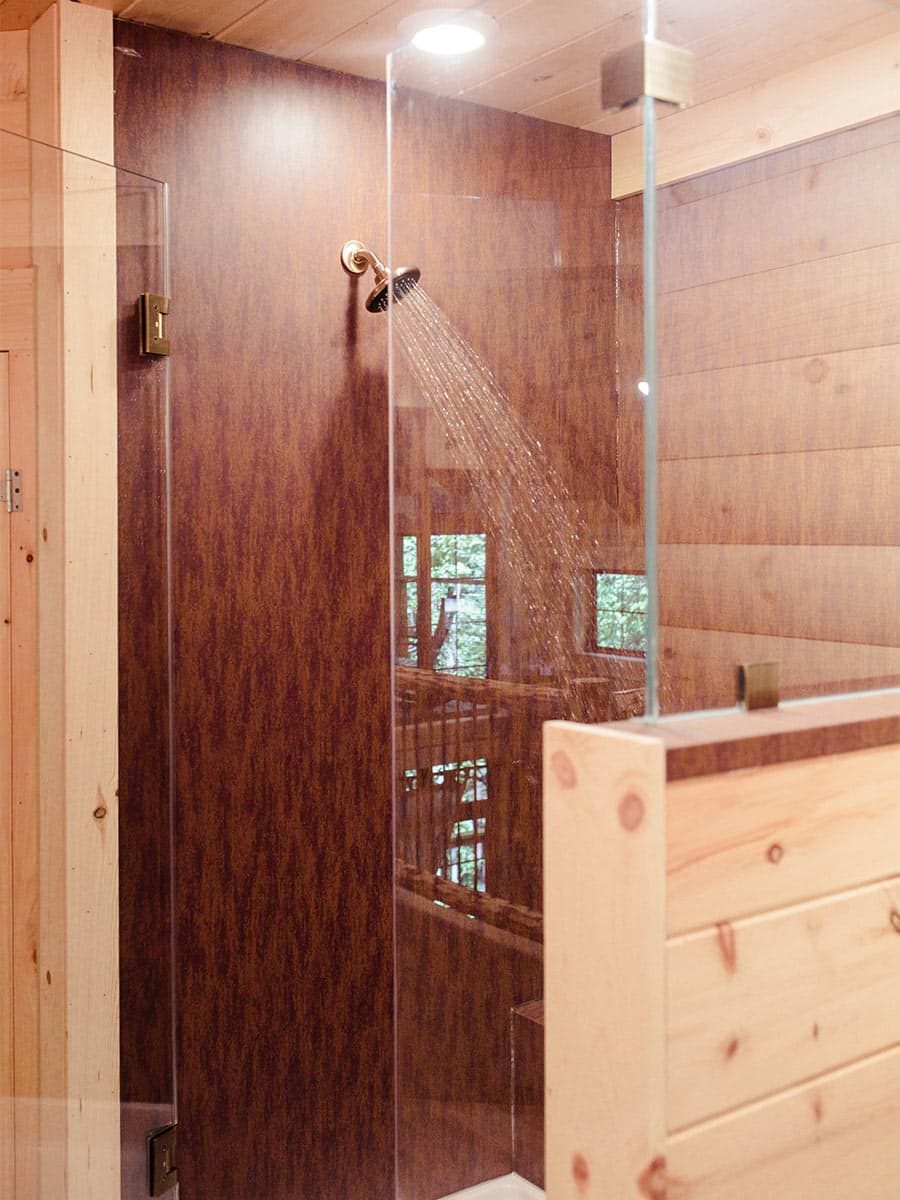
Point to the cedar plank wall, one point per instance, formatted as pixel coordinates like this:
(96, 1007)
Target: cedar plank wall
(779, 423)
(282, 853)
(280, 561)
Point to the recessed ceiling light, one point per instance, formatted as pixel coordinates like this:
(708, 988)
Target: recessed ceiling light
(448, 31)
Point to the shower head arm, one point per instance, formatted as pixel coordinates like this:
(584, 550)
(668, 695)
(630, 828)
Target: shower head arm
(357, 258)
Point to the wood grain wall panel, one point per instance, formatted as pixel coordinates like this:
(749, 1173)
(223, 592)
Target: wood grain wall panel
(528, 1095)
(851, 86)
(835, 497)
(783, 591)
(698, 666)
(779, 429)
(820, 1139)
(777, 835)
(857, 139)
(837, 401)
(816, 307)
(459, 981)
(755, 1006)
(282, 705)
(818, 212)
(15, 204)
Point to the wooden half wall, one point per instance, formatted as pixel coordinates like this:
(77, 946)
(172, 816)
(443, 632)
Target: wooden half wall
(722, 951)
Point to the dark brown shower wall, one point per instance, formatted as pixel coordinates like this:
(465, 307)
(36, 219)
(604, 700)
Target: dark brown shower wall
(280, 522)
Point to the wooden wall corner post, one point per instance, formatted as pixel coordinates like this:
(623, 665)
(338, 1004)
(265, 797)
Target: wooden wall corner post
(604, 963)
(74, 222)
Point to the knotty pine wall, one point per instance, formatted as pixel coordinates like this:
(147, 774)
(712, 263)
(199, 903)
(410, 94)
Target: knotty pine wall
(779, 424)
(280, 519)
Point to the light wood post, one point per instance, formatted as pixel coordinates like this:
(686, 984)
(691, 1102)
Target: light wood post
(74, 221)
(604, 963)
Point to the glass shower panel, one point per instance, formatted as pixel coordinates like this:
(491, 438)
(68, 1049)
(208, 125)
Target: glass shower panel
(86, 949)
(778, 309)
(518, 571)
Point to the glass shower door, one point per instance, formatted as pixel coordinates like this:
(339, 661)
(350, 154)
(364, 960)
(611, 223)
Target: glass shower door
(777, 309)
(86, 940)
(518, 559)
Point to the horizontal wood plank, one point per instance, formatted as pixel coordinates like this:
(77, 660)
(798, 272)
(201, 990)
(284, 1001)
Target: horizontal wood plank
(764, 1004)
(698, 666)
(825, 402)
(817, 212)
(802, 309)
(835, 497)
(747, 842)
(824, 593)
(833, 1139)
(831, 93)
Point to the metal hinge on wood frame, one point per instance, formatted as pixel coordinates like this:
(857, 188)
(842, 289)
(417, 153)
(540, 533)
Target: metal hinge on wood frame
(12, 489)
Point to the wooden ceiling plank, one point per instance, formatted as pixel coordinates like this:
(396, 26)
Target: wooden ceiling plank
(291, 30)
(525, 35)
(204, 18)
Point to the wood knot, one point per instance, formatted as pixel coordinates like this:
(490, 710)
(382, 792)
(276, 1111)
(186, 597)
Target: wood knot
(29, 558)
(631, 811)
(581, 1172)
(763, 134)
(815, 370)
(732, 1048)
(564, 769)
(99, 812)
(727, 946)
(895, 920)
(653, 1183)
(775, 853)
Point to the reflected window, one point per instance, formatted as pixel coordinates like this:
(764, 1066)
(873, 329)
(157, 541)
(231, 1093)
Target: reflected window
(621, 607)
(447, 586)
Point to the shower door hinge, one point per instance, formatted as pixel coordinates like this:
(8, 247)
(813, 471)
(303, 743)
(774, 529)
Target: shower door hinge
(758, 685)
(647, 68)
(153, 312)
(161, 1148)
(12, 489)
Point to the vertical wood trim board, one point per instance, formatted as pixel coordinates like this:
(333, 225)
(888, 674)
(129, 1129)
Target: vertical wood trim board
(7, 917)
(74, 215)
(604, 969)
(827, 95)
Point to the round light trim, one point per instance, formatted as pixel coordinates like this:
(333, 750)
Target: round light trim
(448, 39)
(447, 32)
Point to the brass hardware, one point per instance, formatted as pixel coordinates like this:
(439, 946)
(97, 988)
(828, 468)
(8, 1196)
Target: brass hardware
(647, 68)
(161, 1148)
(356, 260)
(758, 685)
(12, 490)
(153, 312)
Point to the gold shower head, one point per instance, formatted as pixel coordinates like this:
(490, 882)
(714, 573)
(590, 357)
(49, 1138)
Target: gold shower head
(356, 260)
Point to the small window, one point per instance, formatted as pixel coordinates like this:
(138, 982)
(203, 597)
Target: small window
(621, 603)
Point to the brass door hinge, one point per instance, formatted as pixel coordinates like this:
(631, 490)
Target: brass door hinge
(12, 489)
(161, 1148)
(153, 312)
